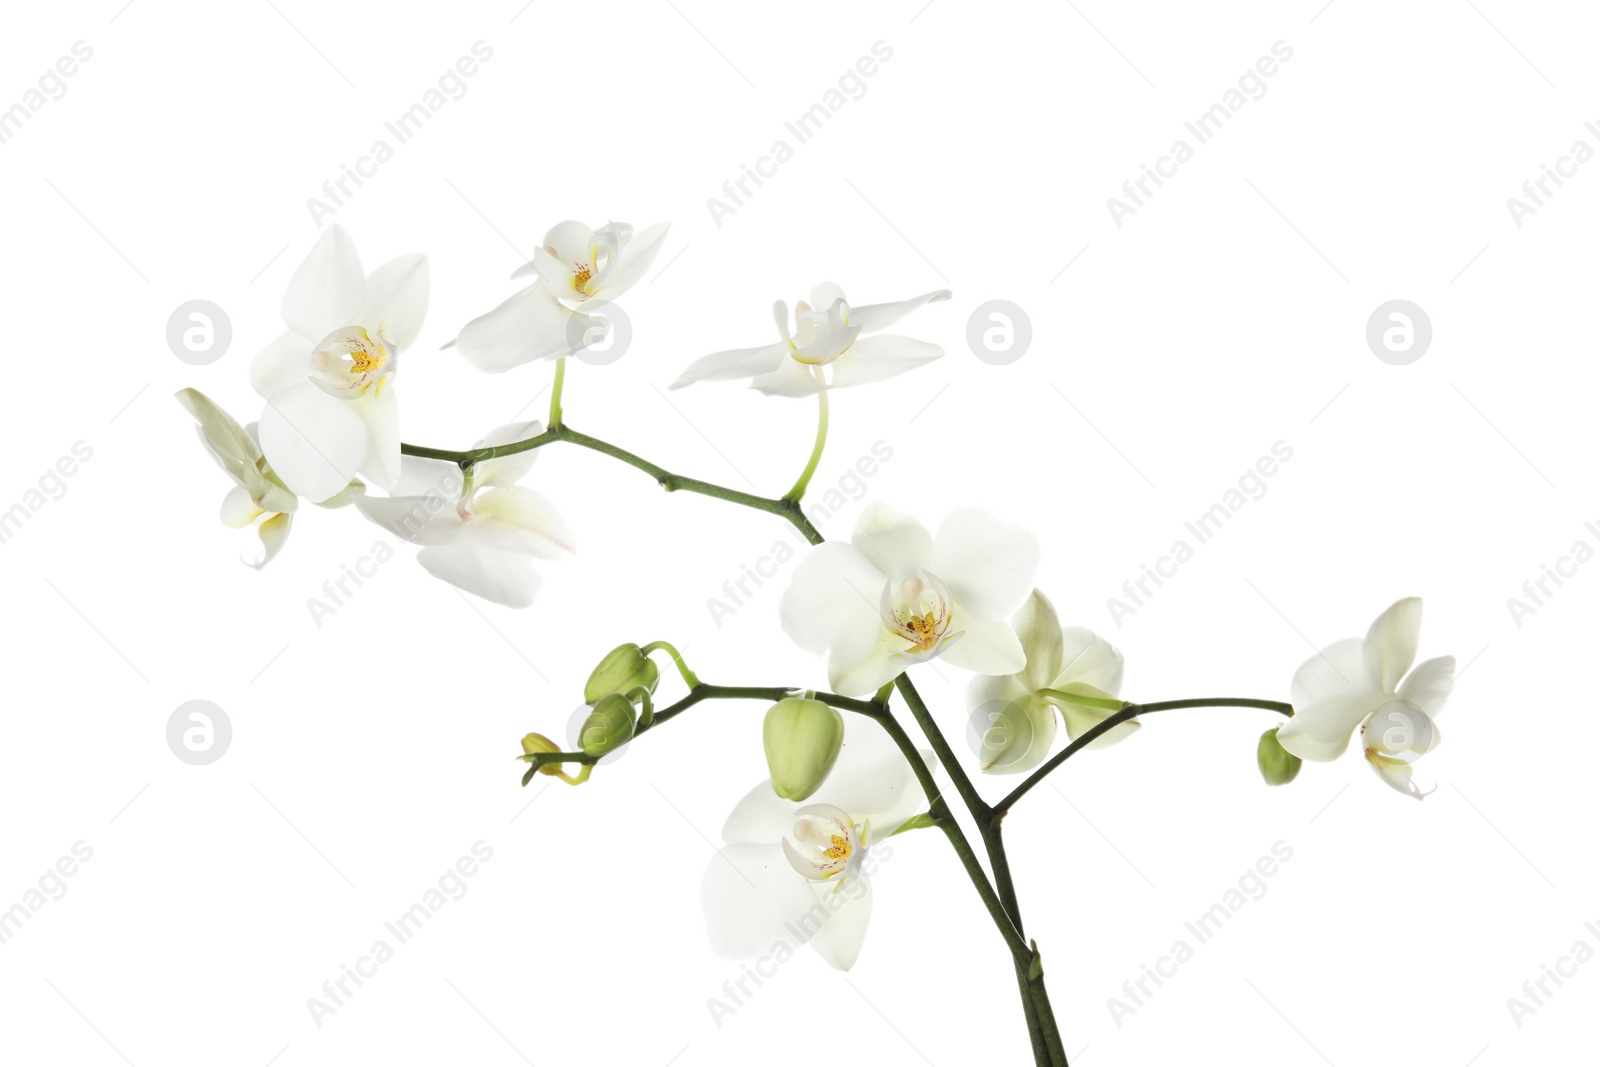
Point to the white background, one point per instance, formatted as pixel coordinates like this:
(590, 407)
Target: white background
(1228, 314)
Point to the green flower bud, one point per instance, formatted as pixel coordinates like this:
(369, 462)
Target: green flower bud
(609, 725)
(624, 669)
(1278, 766)
(802, 739)
(533, 744)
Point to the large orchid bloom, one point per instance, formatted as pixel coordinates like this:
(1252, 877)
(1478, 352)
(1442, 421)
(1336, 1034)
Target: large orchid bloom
(794, 874)
(483, 537)
(1017, 712)
(329, 381)
(828, 333)
(578, 270)
(1364, 682)
(895, 595)
(258, 493)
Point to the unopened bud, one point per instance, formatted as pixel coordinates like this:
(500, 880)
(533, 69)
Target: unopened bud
(609, 725)
(624, 669)
(534, 744)
(802, 739)
(1278, 765)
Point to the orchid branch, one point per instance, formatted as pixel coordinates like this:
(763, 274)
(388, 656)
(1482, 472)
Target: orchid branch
(1002, 906)
(1111, 722)
(789, 510)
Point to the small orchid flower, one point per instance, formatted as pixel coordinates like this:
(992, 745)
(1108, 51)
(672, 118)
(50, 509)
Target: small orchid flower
(258, 493)
(1020, 709)
(895, 595)
(827, 332)
(481, 536)
(803, 874)
(578, 270)
(329, 381)
(1364, 682)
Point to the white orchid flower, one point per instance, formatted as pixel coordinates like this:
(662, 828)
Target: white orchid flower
(1017, 712)
(894, 596)
(258, 493)
(1364, 682)
(483, 540)
(329, 381)
(578, 270)
(802, 874)
(829, 333)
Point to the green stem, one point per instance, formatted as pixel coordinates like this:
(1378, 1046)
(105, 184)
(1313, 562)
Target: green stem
(647, 708)
(1107, 703)
(940, 810)
(555, 392)
(700, 692)
(689, 677)
(799, 489)
(941, 748)
(1037, 1013)
(789, 510)
(1111, 722)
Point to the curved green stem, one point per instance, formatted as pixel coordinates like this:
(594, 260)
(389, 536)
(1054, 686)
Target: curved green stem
(799, 489)
(555, 392)
(689, 677)
(1111, 722)
(647, 709)
(1107, 703)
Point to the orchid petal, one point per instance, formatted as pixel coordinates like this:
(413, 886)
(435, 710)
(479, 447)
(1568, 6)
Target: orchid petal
(380, 411)
(750, 896)
(987, 647)
(831, 605)
(530, 324)
(285, 362)
(631, 261)
(734, 363)
(1393, 640)
(987, 565)
(874, 317)
(397, 300)
(274, 532)
(791, 378)
(495, 574)
(328, 289)
(314, 442)
(847, 909)
(895, 543)
(517, 519)
(1429, 684)
(875, 359)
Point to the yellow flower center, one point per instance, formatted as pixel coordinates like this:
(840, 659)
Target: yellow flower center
(349, 360)
(838, 849)
(580, 278)
(917, 608)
